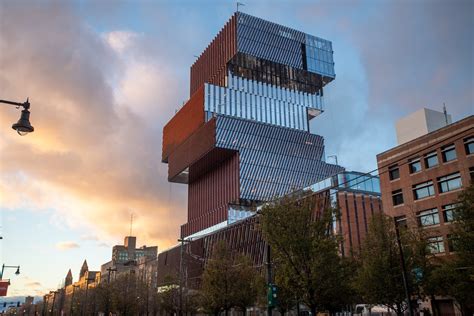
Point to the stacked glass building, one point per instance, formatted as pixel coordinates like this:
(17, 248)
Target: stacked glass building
(243, 137)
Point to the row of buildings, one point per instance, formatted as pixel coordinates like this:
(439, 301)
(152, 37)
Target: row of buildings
(245, 137)
(126, 259)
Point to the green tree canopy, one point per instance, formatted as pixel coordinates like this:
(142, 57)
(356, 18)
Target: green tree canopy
(299, 231)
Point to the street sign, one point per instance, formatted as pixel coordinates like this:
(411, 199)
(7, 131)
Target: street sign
(272, 295)
(4, 287)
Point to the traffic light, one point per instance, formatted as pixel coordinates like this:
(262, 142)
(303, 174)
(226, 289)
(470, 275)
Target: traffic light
(272, 295)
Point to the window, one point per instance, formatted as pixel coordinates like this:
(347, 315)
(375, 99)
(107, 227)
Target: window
(471, 172)
(450, 182)
(448, 212)
(423, 190)
(431, 160)
(401, 221)
(448, 153)
(397, 197)
(469, 145)
(452, 243)
(394, 172)
(415, 165)
(428, 217)
(435, 244)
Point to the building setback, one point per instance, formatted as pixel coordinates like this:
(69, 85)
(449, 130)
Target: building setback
(244, 139)
(421, 179)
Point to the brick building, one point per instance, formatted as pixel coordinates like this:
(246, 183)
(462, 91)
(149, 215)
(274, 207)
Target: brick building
(422, 178)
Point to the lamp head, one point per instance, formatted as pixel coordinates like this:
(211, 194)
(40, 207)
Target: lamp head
(23, 125)
(17, 272)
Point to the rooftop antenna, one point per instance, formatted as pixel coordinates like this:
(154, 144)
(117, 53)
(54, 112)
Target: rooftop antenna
(240, 4)
(445, 113)
(131, 224)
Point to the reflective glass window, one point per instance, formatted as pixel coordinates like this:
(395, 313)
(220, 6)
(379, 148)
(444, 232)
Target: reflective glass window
(423, 190)
(448, 153)
(469, 145)
(431, 160)
(428, 217)
(436, 244)
(397, 197)
(415, 165)
(450, 182)
(448, 212)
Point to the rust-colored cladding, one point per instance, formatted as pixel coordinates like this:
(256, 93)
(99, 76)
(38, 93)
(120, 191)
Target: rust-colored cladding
(192, 149)
(188, 119)
(212, 63)
(356, 211)
(209, 196)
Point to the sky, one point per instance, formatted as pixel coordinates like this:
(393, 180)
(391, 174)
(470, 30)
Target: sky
(104, 77)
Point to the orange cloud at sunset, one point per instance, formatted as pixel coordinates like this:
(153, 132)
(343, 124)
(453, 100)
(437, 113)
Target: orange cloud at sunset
(98, 103)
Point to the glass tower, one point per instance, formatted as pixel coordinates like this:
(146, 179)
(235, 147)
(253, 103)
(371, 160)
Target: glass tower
(243, 137)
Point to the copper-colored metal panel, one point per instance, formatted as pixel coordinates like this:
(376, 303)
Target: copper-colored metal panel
(186, 121)
(191, 150)
(211, 65)
(210, 195)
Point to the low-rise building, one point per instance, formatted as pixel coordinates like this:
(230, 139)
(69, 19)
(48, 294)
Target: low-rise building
(127, 258)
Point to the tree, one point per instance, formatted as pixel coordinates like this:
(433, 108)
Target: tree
(228, 281)
(463, 228)
(379, 277)
(299, 231)
(455, 276)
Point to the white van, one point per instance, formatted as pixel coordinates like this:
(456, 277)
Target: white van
(375, 310)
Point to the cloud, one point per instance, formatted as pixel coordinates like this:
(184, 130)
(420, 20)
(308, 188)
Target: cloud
(90, 237)
(98, 104)
(66, 245)
(34, 284)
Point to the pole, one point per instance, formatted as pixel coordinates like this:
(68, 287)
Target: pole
(404, 272)
(3, 268)
(269, 278)
(181, 278)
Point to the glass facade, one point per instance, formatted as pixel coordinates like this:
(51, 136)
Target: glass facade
(280, 44)
(319, 56)
(358, 181)
(273, 160)
(262, 102)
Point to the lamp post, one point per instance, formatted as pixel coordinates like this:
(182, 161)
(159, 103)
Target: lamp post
(17, 272)
(23, 126)
(404, 270)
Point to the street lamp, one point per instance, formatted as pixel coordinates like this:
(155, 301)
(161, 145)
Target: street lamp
(17, 272)
(23, 126)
